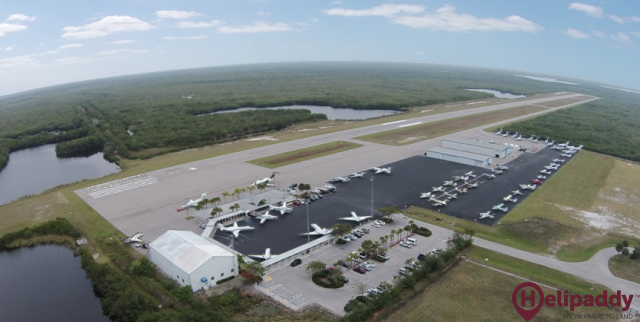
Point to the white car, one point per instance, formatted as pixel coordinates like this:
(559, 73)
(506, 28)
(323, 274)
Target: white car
(375, 224)
(380, 222)
(367, 267)
(374, 290)
(371, 264)
(385, 256)
(407, 245)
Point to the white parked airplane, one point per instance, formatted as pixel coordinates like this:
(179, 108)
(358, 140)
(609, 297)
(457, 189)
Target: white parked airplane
(357, 175)
(546, 141)
(451, 196)
(436, 189)
(510, 198)
(472, 185)
(266, 216)
(545, 171)
(192, 203)
(519, 138)
(267, 255)
(566, 155)
(497, 171)
(461, 190)
(515, 135)
(558, 160)
(448, 183)
(551, 143)
(528, 186)
(426, 195)
(535, 140)
(490, 176)
(355, 217)
(541, 177)
(550, 167)
(282, 209)
(268, 180)
(501, 208)
(438, 203)
(458, 178)
(487, 214)
(317, 231)
(562, 145)
(578, 148)
(381, 170)
(340, 179)
(502, 167)
(505, 135)
(516, 192)
(134, 239)
(470, 174)
(235, 229)
(499, 132)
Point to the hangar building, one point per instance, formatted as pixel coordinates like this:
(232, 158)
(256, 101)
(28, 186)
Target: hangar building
(457, 156)
(477, 147)
(191, 259)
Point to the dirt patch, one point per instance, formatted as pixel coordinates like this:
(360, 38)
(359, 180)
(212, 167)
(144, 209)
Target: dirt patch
(605, 219)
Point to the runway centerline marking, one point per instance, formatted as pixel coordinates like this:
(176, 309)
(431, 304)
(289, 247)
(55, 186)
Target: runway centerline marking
(410, 124)
(394, 122)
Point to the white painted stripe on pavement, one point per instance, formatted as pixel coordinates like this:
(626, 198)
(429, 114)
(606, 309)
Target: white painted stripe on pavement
(394, 122)
(411, 124)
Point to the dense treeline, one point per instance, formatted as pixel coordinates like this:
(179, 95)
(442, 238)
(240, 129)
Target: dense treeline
(161, 108)
(88, 143)
(59, 226)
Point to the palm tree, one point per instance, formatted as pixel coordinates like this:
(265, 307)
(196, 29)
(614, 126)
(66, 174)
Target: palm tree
(236, 192)
(214, 200)
(250, 189)
(399, 232)
(243, 190)
(225, 195)
(393, 232)
(206, 202)
(349, 259)
(215, 211)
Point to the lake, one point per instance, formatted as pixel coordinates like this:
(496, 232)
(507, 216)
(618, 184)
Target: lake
(497, 93)
(46, 283)
(332, 113)
(32, 171)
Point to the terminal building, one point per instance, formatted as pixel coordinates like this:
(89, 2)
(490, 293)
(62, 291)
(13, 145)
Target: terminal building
(191, 259)
(469, 152)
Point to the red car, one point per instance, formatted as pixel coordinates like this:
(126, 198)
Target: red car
(536, 181)
(360, 270)
(296, 202)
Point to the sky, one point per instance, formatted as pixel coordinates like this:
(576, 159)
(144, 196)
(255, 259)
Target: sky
(45, 42)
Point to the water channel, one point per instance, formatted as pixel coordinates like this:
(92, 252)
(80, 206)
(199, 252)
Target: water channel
(32, 171)
(332, 113)
(46, 283)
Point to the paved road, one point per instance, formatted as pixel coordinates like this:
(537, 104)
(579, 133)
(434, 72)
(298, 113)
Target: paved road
(595, 269)
(152, 208)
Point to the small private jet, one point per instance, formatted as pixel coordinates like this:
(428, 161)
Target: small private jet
(470, 174)
(355, 217)
(487, 214)
(264, 217)
(563, 145)
(438, 203)
(134, 239)
(527, 186)
(340, 179)
(357, 175)
(546, 141)
(381, 170)
(501, 208)
(515, 135)
(490, 176)
(235, 229)
(558, 160)
(577, 148)
(448, 183)
(458, 178)
(517, 192)
(518, 138)
(267, 255)
(437, 189)
(282, 209)
(426, 195)
(510, 198)
(317, 231)
(192, 203)
(267, 181)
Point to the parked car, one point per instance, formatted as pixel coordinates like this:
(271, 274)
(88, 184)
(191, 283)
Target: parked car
(362, 255)
(380, 222)
(296, 203)
(351, 237)
(320, 196)
(330, 187)
(413, 241)
(365, 230)
(346, 239)
(421, 256)
(293, 186)
(343, 279)
(402, 271)
(372, 264)
(202, 225)
(365, 266)
(345, 264)
(404, 244)
(375, 224)
(360, 270)
(323, 189)
(383, 255)
(374, 290)
(296, 262)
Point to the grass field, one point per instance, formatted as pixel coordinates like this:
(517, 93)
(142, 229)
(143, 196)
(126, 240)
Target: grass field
(474, 293)
(562, 102)
(427, 131)
(626, 268)
(282, 159)
(565, 217)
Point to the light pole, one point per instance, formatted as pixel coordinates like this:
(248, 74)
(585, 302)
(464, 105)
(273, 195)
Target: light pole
(342, 256)
(308, 237)
(371, 196)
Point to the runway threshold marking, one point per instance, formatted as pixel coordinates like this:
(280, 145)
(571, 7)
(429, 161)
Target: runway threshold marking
(394, 122)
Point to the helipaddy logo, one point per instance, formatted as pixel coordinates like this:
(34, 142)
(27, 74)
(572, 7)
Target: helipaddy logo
(535, 301)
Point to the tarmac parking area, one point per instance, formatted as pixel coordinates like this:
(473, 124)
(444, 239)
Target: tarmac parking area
(294, 285)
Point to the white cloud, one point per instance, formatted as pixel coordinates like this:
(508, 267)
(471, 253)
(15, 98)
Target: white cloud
(175, 14)
(263, 13)
(51, 52)
(616, 19)
(623, 38)
(20, 17)
(10, 27)
(71, 60)
(185, 37)
(120, 51)
(599, 33)
(255, 28)
(418, 53)
(120, 42)
(635, 19)
(107, 26)
(576, 33)
(9, 48)
(191, 24)
(18, 61)
(70, 46)
(41, 44)
(337, 2)
(637, 34)
(447, 19)
(588, 9)
(385, 10)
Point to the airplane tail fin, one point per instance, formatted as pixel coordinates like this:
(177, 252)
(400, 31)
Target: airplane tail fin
(272, 175)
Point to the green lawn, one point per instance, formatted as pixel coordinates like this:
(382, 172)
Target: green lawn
(286, 158)
(626, 268)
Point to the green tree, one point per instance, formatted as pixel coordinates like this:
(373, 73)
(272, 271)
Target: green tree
(315, 267)
(625, 251)
(143, 267)
(619, 247)
(367, 246)
(215, 211)
(225, 194)
(360, 288)
(625, 243)
(393, 235)
(215, 201)
(255, 269)
(389, 211)
(262, 187)
(341, 229)
(251, 189)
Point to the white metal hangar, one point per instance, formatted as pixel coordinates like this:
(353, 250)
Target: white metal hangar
(477, 147)
(459, 156)
(191, 259)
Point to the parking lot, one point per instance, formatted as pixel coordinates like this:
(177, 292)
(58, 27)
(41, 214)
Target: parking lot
(294, 285)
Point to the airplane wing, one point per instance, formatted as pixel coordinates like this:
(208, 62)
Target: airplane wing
(262, 220)
(236, 233)
(267, 253)
(316, 228)
(353, 214)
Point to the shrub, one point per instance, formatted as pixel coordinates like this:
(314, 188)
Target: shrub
(625, 251)
(334, 282)
(421, 231)
(341, 241)
(225, 280)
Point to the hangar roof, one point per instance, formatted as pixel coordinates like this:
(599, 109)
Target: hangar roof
(458, 153)
(497, 147)
(187, 250)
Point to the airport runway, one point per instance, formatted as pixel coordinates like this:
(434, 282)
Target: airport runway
(150, 206)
